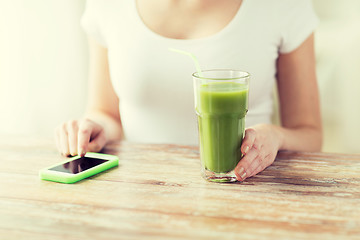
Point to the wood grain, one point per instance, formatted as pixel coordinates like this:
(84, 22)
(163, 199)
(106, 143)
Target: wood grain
(157, 193)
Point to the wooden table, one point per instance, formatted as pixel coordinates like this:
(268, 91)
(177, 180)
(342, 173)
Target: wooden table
(157, 193)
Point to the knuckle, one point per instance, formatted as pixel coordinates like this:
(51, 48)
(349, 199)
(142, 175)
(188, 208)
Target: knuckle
(85, 124)
(262, 156)
(258, 145)
(256, 150)
(84, 131)
(63, 127)
(246, 162)
(86, 121)
(250, 132)
(73, 123)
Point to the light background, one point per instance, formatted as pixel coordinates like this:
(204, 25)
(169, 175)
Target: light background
(43, 68)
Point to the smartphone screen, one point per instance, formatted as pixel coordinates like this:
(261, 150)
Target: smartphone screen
(78, 165)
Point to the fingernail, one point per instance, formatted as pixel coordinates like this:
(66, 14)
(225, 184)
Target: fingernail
(81, 153)
(242, 173)
(246, 149)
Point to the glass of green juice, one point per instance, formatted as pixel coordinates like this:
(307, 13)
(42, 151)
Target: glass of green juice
(221, 103)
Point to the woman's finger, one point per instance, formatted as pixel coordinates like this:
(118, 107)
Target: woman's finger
(97, 142)
(72, 127)
(258, 169)
(248, 141)
(64, 145)
(264, 163)
(256, 166)
(242, 170)
(84, 135)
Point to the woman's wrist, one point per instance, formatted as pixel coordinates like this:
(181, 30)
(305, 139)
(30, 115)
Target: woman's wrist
(111, 127)
(298, 139)
(279, 136)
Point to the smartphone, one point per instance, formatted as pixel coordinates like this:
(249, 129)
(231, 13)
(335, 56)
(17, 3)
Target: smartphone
(77, 168)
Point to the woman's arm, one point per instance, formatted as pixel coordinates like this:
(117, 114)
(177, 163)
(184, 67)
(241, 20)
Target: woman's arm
(103, 103)
(299, 99)
(101, 122)
(301, 128)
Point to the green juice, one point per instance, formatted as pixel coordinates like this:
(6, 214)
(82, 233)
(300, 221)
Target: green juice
(221, 113)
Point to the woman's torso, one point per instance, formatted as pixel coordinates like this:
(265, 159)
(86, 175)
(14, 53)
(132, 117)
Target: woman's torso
(155, 86)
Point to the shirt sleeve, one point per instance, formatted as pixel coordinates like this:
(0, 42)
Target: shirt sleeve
(91, 21)
(299, 22)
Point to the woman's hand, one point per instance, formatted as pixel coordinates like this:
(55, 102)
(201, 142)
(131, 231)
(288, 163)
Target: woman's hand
(77, 137)
(300, 114)
(259, 147)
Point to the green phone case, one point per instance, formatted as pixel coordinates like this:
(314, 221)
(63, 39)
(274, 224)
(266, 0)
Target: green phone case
(56, 176)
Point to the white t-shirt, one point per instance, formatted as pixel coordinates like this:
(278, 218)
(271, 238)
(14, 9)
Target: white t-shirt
(154, 85)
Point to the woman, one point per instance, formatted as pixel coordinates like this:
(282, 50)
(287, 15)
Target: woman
(132, 72)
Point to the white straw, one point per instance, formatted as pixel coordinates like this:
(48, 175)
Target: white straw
(193, 57)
